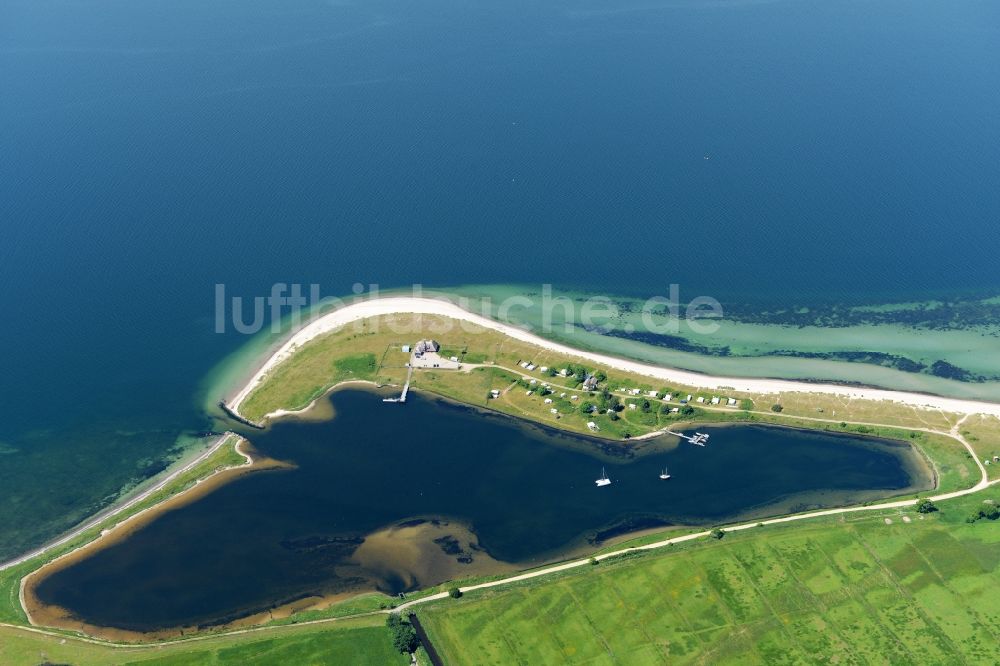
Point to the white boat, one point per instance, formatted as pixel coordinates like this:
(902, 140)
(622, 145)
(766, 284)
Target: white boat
(664, 475)
(604, 480)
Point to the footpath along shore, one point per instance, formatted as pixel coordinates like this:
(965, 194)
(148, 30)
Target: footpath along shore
(413, 305)
(983, 483)
(118, 509)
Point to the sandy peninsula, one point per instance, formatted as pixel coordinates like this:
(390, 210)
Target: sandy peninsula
(412, 305)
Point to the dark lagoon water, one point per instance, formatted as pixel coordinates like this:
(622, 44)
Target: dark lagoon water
(149, 150)
(528, 495)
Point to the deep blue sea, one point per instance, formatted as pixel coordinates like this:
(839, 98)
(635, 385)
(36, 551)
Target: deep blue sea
(150, 149)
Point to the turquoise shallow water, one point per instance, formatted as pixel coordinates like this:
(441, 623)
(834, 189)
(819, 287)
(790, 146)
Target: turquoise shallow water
(149, 151)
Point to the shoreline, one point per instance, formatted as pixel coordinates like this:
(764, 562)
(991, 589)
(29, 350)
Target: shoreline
(142, 639)
(118, 507)
(42, 614)
(411, 305)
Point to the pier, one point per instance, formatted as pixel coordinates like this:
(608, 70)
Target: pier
(406, 388)
(699, 438)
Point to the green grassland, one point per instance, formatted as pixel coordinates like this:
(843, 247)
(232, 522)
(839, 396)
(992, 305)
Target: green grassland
(983, 433)
(851, 589)
(371, 351)
(359, 641)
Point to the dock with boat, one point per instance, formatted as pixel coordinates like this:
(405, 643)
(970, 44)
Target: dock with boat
(699, 438)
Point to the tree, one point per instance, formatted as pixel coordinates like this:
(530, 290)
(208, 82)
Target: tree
(454, 593)
(600, 376)
(646, 406)
(926, 506)
(717, 533)
(580, 374)
(687, 410)
(551, 372)
(404, 636)
(776, 408)
(587, 407)
(614, 416)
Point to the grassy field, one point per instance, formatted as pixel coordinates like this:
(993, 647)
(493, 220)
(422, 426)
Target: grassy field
(855, 589)
(372, 351)
(360, 641)
(983, 433)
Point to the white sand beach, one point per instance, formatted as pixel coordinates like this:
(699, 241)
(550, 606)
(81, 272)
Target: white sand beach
(412, 305)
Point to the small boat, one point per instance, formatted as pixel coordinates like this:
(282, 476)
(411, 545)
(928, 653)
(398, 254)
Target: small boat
(664, 475)
(604, 480)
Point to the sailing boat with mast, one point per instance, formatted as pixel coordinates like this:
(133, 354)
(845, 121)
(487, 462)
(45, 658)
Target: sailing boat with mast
(604, 480)
(664, 475)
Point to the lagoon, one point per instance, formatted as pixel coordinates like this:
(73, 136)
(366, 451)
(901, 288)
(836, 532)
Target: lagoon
(399, 497)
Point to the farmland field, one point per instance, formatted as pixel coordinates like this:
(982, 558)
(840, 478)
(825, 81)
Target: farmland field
(864, 589)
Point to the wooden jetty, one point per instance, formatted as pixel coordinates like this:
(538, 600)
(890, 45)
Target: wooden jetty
(406, 388)
(699, 438)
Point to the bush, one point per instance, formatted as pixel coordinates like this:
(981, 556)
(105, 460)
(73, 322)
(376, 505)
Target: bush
(989, 511)
(454, 593)
(776, 408)
(404, 636)
(717, 533)
(593, 561)
(926, 506)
